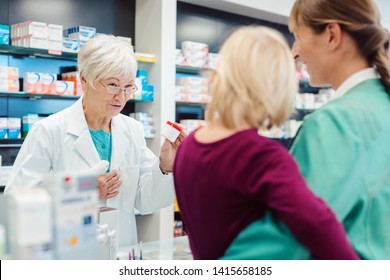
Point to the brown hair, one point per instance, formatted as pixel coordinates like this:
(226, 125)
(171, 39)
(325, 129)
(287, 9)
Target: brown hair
(359, 18)
(254, 81)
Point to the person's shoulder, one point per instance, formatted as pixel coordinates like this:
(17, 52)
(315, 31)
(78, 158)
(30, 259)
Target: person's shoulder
(261, 145)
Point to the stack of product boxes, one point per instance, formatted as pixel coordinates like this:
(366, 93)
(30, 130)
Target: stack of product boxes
(195, 54)
(213, 59)
(39, 35)
(9, 78)
(75, 37)
(73, 77)
(4, 34)
(191, 125)
(192, 89)
(10, 128)
(46, 83)
(28, 122)
(146, 120)
(145, 91)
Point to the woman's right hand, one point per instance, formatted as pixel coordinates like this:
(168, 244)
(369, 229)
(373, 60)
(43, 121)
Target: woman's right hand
(108, 184)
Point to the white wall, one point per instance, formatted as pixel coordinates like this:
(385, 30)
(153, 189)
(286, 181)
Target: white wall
(384, 8)
(272, 10)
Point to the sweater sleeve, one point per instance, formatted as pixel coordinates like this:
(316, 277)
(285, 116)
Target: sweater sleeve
(308, 217)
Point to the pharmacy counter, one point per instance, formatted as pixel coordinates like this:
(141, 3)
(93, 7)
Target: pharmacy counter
(170, 249)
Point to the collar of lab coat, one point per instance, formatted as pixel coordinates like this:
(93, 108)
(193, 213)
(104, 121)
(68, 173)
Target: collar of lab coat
(83, 143)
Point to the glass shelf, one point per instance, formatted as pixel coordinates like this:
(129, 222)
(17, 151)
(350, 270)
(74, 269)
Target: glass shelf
(16, 142)
(33, 96)
(15, 50)
(180, 103)
(191, 70)
(37, 96)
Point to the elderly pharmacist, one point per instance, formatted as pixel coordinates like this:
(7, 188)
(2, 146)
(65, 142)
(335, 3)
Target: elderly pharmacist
(92, 130)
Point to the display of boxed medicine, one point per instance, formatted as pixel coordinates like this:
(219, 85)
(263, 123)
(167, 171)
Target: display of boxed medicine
(192, 97)
(32, 82)
(54, 45)
(196, 62)
(213, 59)
(179, 57)
(64, 88)
(9, 85)
(195, 89)
(192, 81)
(3, 128)
(75, 201)
(148, 93)
(190, 54)
(49, 83)
(4, 34)
(55, 32)
(70, 45)
(34, 42)
(191, 125)
(75, 78)
(30, 224)
(14, 128)
(31, 28)
(11, 73)
(28, 122)
(194, 46)
(81, 33)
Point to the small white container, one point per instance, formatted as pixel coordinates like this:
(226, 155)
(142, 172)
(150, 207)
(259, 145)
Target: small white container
(2, 241)
(171, 131)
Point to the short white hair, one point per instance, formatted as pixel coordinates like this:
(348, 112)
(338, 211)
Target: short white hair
(106, 56)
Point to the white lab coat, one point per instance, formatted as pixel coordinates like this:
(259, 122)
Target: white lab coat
(62, 142)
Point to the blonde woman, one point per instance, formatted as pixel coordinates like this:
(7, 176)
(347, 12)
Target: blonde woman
(229, 180)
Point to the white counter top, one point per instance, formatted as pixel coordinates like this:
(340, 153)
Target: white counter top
(170, 249)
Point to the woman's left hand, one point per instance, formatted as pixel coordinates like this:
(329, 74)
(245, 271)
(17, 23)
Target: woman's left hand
(168, 152)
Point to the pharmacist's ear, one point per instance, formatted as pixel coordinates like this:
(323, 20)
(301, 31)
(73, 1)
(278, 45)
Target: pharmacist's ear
(83, 82)
(333, 35)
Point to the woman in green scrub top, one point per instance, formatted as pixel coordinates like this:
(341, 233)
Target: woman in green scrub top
(342, 149)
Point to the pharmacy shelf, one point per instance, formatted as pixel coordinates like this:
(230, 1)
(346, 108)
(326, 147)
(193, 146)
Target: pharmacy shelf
(14, 142)
(305, 87)
(22, 51)
(195, 104)
(191, 70)
(37, 96)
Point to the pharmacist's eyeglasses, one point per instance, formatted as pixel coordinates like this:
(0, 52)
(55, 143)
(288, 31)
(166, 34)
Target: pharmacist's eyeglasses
(112, 89)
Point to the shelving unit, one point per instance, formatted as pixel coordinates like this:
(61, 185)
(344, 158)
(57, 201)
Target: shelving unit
(36, 96)
(190, 107)
(22, 51)
(31, 52)
(191, 104)
(192, 70)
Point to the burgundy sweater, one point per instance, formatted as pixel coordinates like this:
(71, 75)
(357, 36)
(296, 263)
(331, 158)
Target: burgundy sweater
(224, 186)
